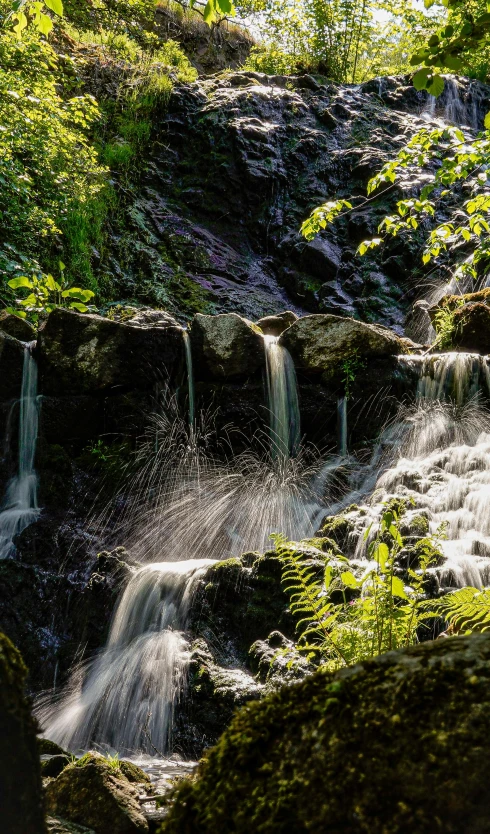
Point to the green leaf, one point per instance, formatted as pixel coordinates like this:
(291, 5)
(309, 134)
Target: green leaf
(420, 78)
(453, 62)
(56, 6)
(51, 284)
(487, 121)
(398, 588)
(436, 85)
(349, 579)
(76, 292)
(381, 554)
(23, 281)
(44, 24)
(82, 308)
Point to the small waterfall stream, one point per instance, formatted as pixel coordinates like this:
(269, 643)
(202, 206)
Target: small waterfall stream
(342, 425)
(19, 507)
(283, 400)
(125, 698)
(190, 378)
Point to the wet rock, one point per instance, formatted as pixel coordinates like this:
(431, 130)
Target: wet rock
(321, 258)
(18, 328)
(133, 773)
(55, 825)
(53, 765)
(91, 792)
(471, 328)
(11, 366)
(20, 777)
(226, 345)
(275, 661)
(404, 735)
(213, 694)
(320, 343)
(81, 354)
(275, 325)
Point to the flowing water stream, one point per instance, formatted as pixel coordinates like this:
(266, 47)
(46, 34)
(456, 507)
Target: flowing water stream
(19, 507)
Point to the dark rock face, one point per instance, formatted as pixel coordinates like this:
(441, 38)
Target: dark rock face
(226, 346)
(239, 164)
(396, 744)
(20, 776)
(90, 792)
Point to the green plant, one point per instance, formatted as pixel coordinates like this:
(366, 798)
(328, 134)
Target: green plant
(25, 11)
(344, 618)
(113, 761)
(45, 294)
(445, 326)
(465, 610)
(350, 367)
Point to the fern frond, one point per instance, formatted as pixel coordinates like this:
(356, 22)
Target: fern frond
(467, 609)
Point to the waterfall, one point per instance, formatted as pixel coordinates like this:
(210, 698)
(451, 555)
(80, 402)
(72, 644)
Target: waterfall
(342, 425)
(456, 105)
(283, 399)
(442, 463)
(19, 507)
(125, 699)
(190, 377)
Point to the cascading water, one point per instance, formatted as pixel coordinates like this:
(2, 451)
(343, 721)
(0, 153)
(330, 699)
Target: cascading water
(19, 507)
(443, 464)
(342, 425)
(190, 378)
(125, 698)
(283, 399)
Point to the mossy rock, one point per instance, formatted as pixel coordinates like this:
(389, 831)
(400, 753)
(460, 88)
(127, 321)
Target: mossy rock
(396, 745)
(50, 748)
(20, 775)
(54, 765)
(133, 773)
(95, 793)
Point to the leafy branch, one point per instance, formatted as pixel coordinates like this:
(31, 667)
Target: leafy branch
(44, 294)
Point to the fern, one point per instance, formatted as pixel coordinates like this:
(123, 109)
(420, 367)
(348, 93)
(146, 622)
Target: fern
(467, 609)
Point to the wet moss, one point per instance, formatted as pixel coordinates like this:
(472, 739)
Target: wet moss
(396, 745)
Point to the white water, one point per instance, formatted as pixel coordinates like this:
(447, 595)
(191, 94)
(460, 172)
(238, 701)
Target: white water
(442, 464)
(190, 378)
(125, 698)
(283, 399)
(342, 425)
(19, 507)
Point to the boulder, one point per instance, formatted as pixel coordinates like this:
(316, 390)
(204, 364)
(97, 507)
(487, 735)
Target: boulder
(320, 343)
(50, 748)
(17, 327)
(275, 325)
(396, 744)
(226, 345)
(94, 793)
(88, 354)
(53, 765)
(20, 776)
(471, 328)
(11, 366)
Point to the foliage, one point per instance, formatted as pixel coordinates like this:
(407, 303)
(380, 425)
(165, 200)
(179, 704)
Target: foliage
(24, 11)
(444, 324)
(466, 610)
(48, 166)
(455, 45)
(44, 294)
(345, 618)
(344, 39)
(350, 367)
(272, 60)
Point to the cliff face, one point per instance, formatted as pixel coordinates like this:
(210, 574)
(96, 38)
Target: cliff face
(237, 164)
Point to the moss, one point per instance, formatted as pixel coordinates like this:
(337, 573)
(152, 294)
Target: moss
(20, 776)
(394, 745)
